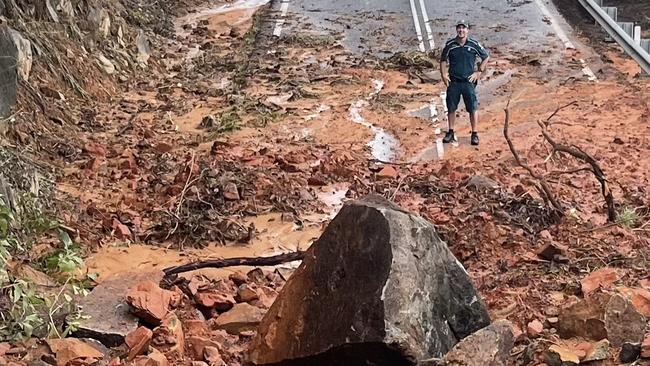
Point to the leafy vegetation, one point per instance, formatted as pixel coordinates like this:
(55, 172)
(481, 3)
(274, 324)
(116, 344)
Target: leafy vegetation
(27, 308)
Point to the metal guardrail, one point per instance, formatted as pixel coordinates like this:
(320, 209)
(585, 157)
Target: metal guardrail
(619, 35)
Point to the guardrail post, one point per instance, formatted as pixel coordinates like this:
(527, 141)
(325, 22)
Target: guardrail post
(637, 34)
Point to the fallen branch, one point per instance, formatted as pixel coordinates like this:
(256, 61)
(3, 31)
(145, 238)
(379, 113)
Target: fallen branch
(578, 153)
(241, 261)
(550, 197)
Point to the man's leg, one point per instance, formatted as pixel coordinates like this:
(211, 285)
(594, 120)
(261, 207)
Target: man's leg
(473, 119)
(471, 104)
(453, 98)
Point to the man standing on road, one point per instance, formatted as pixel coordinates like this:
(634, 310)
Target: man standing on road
(461, 77)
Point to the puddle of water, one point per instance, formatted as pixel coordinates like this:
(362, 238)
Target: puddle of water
(333, 197)
(239, 5)
(383, 144)
(321, 108)
(276, 236)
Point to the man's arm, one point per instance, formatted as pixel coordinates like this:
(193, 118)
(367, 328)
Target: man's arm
(444, 72)
(485, 56)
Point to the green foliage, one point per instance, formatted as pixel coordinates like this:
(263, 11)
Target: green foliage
(628, 217)
(26, 309)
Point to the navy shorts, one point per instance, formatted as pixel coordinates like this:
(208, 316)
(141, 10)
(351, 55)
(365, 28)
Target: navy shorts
(467, 90)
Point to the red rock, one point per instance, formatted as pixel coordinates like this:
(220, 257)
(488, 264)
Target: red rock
(641, 301)
(549, 251)
(149, 302)
(163, 147)
(241, 317)
(138, 342)
(545, 234)
(387, 172)
(645, 347)
(230, 192)
(603, 277)
(238, 278)
(213, 356)
(195, 327)
(267, 297)
(69, 349)
(246, 294)
(169, 337)
(534, 328)
(197, 346)
(216, 300)
(95, 150)
(121, 231)
(154, 359)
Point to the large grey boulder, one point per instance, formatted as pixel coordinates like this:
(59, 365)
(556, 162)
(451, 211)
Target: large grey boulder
(378, 288)
(8, 71)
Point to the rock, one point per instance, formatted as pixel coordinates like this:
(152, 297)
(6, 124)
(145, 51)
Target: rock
(163, 147)
(481, 183)
(598, 351)
(630, 352)
(213, 356)
(8, 71)
(552, 251)
(602, 278)
(240, 318)
(230, 192)
(100, 20)
(387, 173)
(216, 300)
(623, 322)
(199, 363)
(105, 64)
(640, 298)
(73, 349)
(645, 347)
(534, 328)
(561, 356)
(394, 288)
(238, 278)
(24, 56)
(138, 342)
(584, 318)
(246, 294)
(169, 337)
(149, 302)
(488, 346)
(198, 345)
(267, 297)
(153, 359)
(256, 276)
(195, 327)
(109, 317)
(144, 49)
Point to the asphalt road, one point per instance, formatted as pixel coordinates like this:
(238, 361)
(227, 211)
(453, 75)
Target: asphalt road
(382, 27)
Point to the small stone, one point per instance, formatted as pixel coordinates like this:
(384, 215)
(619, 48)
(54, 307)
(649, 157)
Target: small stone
(238, 278)
(623, 322)
(163, 147)
(387, 173)
(138, 342)
(240, 318)
(602, 278)
(197, 346)
(645, 347)
(230, 192)
(70, 349)
(534, 328)
(199, 363)
(213, 356)
(550, 251)
(488, 346)
(584, 318)
(545, 234)
(480, 183)
(153, 359)
(630, 352)
(150, 303)
(561, 356)
(215, 300)
(598, 351)
(552, 322)
(169, 337)
(246, 294)
(195, 327)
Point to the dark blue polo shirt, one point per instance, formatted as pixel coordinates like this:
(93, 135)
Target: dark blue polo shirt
(462, 59)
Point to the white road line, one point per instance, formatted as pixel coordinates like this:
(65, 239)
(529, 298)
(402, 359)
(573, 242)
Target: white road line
(284, 7)
(556, 27)
(427, 26)
(416, 21)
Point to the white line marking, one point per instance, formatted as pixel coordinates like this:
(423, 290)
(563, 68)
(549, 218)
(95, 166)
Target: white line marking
(416, 21)
(427, 26)
(556, 27)
(277, 31)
